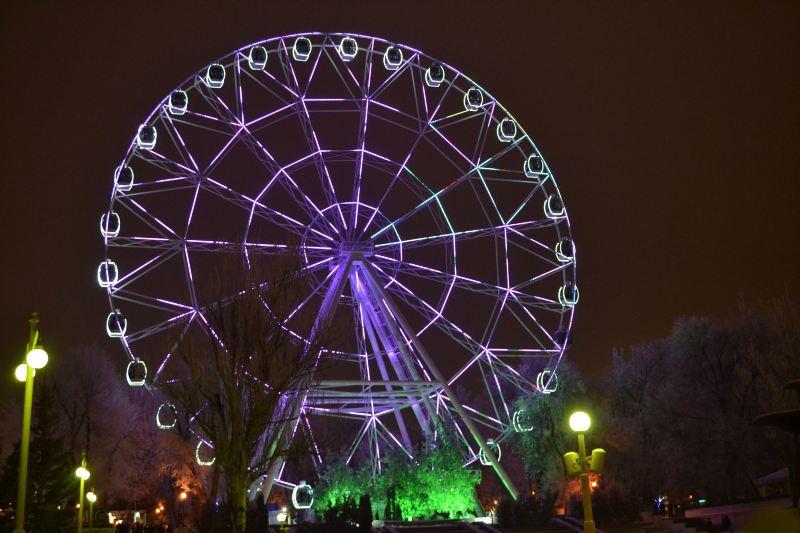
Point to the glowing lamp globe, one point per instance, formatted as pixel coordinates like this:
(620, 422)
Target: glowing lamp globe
(82, 473)
(91, 497)
(37, 358)
(21, 372)
(579, 422)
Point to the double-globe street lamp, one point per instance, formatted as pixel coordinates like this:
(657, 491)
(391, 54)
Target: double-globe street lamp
(83, 474)
(36, 358)
(580, 464)
(91, 497)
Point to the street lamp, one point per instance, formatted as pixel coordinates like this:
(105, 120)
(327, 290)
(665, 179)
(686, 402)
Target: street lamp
(91, 497)
(579, 464)
(36, 358)
(83, 474)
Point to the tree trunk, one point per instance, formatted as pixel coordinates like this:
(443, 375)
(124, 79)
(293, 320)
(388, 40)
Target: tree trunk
(237, 502)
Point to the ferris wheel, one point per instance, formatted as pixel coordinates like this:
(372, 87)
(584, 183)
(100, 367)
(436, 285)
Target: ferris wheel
(420, 206)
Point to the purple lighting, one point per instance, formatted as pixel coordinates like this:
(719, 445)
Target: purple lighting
(419, 209)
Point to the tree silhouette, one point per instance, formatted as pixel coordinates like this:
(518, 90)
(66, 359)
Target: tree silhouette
(242, 369)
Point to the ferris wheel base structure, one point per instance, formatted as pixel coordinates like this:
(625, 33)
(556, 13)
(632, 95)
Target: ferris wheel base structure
(423, 214)
(385, 322)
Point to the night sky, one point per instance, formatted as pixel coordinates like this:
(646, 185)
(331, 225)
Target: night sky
(672, 128)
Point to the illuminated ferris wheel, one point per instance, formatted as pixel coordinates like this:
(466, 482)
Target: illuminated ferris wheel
(420, 207)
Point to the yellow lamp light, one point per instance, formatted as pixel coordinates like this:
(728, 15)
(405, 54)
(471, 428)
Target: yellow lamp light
(91, 497)
(82, 473)
(37, 358)
(21, 372)
(580, 422)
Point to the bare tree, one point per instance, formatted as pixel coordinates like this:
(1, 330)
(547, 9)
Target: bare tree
(244, 367)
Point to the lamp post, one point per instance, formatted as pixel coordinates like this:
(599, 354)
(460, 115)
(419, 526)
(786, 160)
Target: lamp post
(91, 497)
(580, 464)
(36, 358)
(83, 474)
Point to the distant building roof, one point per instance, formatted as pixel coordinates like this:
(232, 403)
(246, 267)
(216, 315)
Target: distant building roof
(777, 477)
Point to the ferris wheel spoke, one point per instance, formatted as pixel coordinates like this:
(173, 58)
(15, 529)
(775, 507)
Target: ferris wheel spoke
(255, 77)
(313, 294)
(492, 385)
(153, 222)
(362, 135)
(483, 134)
(535, 321)
(319, 161)
(444, 278)
(417, 140)
(469, 174)
(313, 142)
(150, 301)
(459, 236)
(159, 160)
(256, 208)
(237, 82)
(160, 327)
(336, 63)
(175, 135)
(429, 313)
(200, 245)
(406, 66)
(173, 348)
(555, 270)
(143, 269)
(477, 416)
(288, 184)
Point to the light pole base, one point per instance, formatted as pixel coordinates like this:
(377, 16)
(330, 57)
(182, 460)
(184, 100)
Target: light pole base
(19, 531)
(588, 526)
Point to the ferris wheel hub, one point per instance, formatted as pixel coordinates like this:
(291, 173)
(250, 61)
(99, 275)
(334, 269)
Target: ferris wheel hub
(356, 249)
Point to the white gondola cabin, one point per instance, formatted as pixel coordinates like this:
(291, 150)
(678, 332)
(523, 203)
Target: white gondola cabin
(257, 58)
(506, 130)
(109, 225)
(136, 373)
(116, 324)
(568, 294)
(215, 76)
(107, 273)
(302, 496)
(393, 58)
(473, 99)
(146, 137)
(301, 49)
(166, 416)
(348, 49)
(204, 454)
(178, 102)
(434, 75)
(565, 250)
(554, 207)
(533, 166)
(123, 178)
(495, 447)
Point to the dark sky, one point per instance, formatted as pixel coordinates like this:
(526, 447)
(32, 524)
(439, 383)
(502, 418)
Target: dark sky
(672, 128)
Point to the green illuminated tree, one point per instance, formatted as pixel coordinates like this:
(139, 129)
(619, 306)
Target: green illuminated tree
(434, 484)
